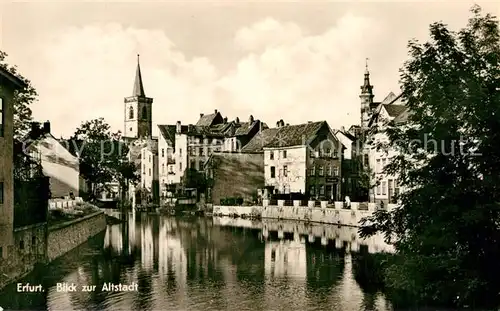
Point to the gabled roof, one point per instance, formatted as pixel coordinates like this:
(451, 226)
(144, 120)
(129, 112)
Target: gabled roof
(11, 78)
(210, 119)
(389, 98)
(168, 133)
(394, 110)
(257, 143)
(295, 135)
(244, 128)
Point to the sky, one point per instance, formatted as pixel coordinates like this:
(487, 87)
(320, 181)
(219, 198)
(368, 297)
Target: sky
(293, 60)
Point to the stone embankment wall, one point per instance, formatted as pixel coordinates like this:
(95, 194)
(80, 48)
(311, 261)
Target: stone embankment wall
(328, 214)
(65, 236)
(24, 252)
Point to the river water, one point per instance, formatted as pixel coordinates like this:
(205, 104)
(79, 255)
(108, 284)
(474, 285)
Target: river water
(208, 264)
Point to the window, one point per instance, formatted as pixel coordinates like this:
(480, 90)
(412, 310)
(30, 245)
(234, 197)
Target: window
(311, 153)
(171, 168)
(21, 244)
(378, 189)
(180, 152)
(284, 154)
(312, 191)
(200, 167)
(33, 240)
(1, 192)
(328, 152)
(377, 167)
(271, 155)
(180, 166)
(384, 188)
(335, 171)
(191, 164)
(163, 168)
(273, 172)
(201, 151)
(321, 172)
(162, 152)
(144, 154)
(192, 151)
(335, 153)
(149, 172)
(144, 169)
(149, 159)
(312, 171)
(329, 171)
(383, 164)
(285, 170)
(1, 252)
(131, 112)
(2, 119)
(322, 190)
(366, 159)
(144, 113)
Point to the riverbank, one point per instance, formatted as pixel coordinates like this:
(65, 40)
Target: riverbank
(334, 214)
(40, 244)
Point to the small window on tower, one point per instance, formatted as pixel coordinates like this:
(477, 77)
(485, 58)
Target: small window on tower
(144, 113)
(131, 113)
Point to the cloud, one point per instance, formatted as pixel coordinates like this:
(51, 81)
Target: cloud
(285, 74)
(265, 33)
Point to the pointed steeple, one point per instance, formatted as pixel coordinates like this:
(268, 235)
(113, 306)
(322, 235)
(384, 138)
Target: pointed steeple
(138, 87)
(366, 88)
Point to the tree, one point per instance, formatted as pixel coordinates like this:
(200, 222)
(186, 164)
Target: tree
(446, 230)
(22, 100)
(102, 155)
(194, 179)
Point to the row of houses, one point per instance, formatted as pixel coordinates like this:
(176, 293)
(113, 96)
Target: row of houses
(240, 158)
(310, 159)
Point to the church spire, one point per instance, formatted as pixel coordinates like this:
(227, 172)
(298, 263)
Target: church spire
(138, 87)
(366, 88)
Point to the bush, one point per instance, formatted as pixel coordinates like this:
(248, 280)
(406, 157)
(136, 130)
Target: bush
(231, 201)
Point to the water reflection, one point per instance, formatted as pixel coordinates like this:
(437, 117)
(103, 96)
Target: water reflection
(210, 264)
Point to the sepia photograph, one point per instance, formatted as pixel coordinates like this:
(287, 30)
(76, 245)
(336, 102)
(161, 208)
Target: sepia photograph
(210, 155)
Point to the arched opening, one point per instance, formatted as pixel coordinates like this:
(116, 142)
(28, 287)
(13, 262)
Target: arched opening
(144, 113)
(131, 113)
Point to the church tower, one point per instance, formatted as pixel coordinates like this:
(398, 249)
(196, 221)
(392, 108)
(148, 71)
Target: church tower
(366, 97)
(138, 110)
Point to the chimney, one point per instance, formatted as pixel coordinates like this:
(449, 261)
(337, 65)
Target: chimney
(287, 124)
(278, 124)
(201, 115)
(250, 120)
(309, 122)
(215, 111)
(237, 120)
(342, 129)
(282, 123)
(46, 127)
(35, 130)
(178, 127)
(225, 120)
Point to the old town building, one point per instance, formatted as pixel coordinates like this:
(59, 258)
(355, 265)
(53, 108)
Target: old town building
(304, 158)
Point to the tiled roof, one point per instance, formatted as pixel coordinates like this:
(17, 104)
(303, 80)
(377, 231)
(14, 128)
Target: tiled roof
(168, 132)
(403, 116)
(243, 128)
(209, 119)
(394, 110)
(295, 135)
(258, 142)
(389, 98)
